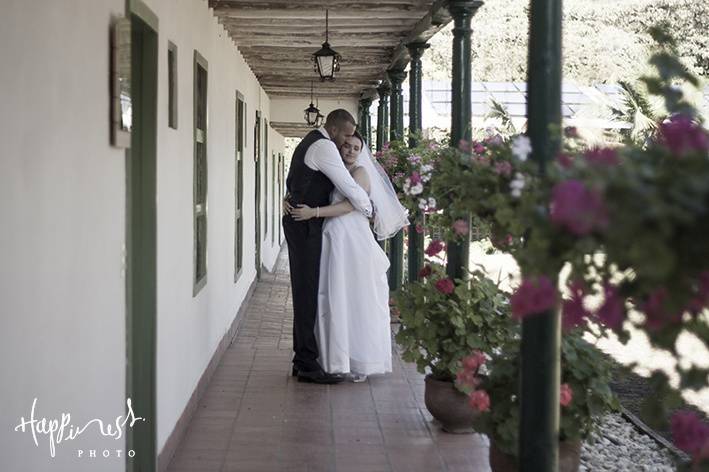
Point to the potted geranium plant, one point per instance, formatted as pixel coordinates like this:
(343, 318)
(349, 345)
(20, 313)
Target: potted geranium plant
(441, 323)
(584, 396)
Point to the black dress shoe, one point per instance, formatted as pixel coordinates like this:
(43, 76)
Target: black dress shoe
(319, 377)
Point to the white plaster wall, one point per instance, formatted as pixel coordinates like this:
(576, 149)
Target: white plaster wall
(190, 328)
(291, 109)
(62, 202)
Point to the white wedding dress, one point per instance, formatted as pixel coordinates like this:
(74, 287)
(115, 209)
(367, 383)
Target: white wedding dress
(352, 326)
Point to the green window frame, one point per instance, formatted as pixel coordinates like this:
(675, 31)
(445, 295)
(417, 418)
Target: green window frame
(200, 179)
(273, 198)
(239, 137)
(265, 179)
(171, 85)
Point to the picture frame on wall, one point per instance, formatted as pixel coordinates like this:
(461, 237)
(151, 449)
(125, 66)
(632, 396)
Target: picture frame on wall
(121, 98)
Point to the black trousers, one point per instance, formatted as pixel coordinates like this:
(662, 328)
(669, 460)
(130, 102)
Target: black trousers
(304, 240)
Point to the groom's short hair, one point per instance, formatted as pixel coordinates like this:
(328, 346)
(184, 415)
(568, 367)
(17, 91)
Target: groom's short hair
(339, 117)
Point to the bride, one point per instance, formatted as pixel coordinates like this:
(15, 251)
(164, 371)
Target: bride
(352, 325)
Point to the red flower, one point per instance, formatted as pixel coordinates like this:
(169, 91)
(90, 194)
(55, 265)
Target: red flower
(473, 361)
(565, 395)
(425, 272)
(573, 311)
(533, 296)
(577, 208)
(682, 135)
(612, 312)
(689, 433)
(445, 286)
(479, 400)
(467, 377)
(602, 156)
(434, 247)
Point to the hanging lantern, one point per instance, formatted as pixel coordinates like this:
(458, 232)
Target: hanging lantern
(312, 114)
(327, 61)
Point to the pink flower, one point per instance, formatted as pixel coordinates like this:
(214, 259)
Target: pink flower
(656, 314)
(612, 312)
(502, 243)
(378, 154)
(434, 247)
(385, 146)
(573, 311)
(689, 433)
(467, 377)
(445, 286)
(602, 156)
(425, 272)
(681, 135)
(564, 160)
(419, 228)
(577, 208)
(503, 168)
(565, 394)
(478, 148)
(460, 227)
(479, 400)
(415, 178)
(432, 146)
(533, 296)
(414, 159)
(494, 140)
(473, 361)
(464, 145)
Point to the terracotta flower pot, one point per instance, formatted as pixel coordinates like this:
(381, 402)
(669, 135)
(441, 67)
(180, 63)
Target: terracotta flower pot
(449, 406)
(569, 458)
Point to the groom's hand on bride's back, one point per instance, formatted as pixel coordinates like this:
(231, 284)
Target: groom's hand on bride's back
(287, 207)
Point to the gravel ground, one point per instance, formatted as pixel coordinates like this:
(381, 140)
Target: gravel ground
(620, 446)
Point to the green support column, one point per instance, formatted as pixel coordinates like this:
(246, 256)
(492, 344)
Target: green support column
(462, 12)
(415, 256)
(365, 120)
(383, 114)
(396, 245)
(383, 124)
(539, 424)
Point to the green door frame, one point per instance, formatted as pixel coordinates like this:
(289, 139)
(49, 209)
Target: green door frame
(257, 192)
(141, 261)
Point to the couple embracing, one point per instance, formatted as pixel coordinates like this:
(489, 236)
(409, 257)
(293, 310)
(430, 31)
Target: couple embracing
(338, 271)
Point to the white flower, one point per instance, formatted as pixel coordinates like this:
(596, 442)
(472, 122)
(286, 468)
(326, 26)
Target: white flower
(426, 172)
(416, 189)
(516, 185)
(422, 203)
(407, 186)
(521, 147)
(431, 202)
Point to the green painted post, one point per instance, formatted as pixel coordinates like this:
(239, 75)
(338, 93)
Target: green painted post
(383, 90)
(462, 12)
(365, 120)
(539, 410)
(396, 245)
(415, 257)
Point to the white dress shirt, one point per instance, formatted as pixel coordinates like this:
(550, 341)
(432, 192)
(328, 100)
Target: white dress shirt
(323, 156)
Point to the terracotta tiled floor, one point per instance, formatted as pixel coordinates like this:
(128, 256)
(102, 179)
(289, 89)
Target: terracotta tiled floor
(255, 417)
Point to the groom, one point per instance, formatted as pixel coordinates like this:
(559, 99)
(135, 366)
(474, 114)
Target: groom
(315, 170)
